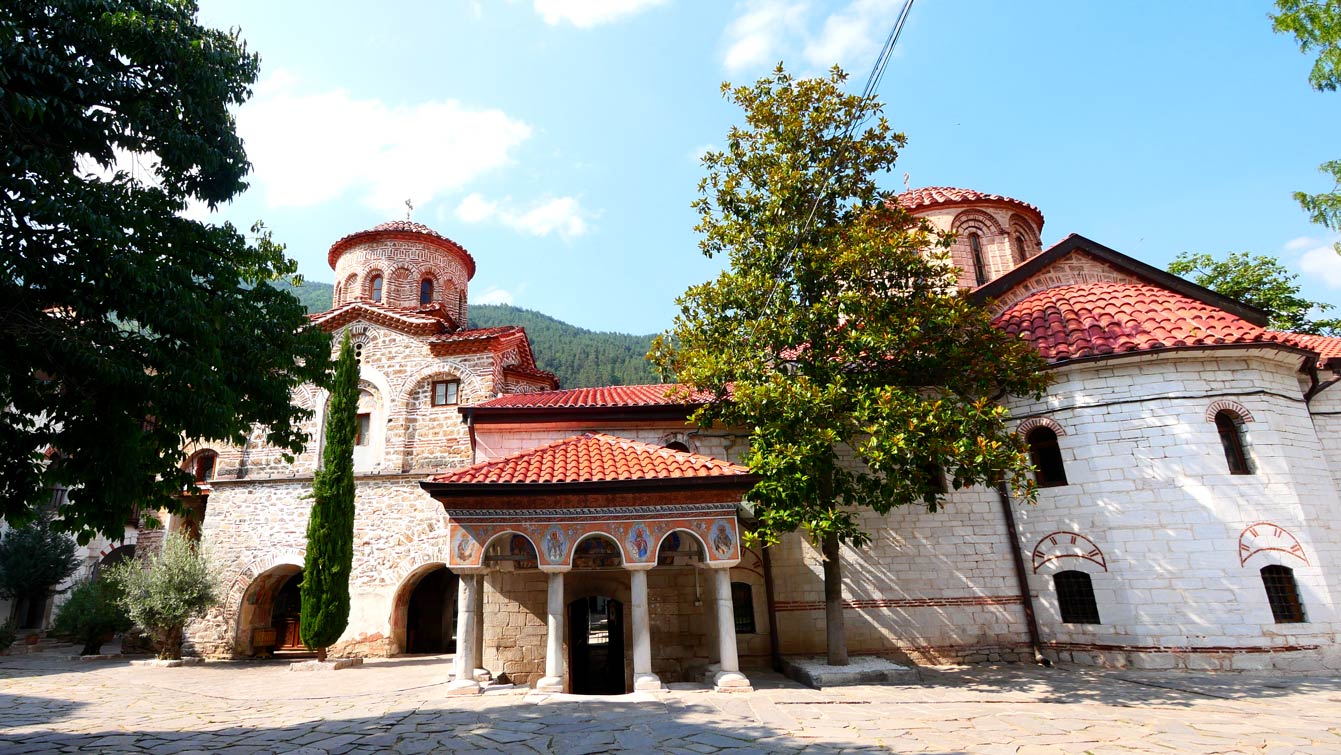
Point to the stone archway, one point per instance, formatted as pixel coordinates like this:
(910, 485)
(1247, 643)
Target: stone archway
(424, 613)
(259, 625)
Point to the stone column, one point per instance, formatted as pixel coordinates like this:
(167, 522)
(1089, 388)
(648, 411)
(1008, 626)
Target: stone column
(554, 613)
(481, 674)
(643, 678)
(729, 679)
(466, 628)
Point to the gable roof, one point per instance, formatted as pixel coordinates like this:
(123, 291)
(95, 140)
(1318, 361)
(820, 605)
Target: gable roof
(423, 321)
(1089, 320)
(658, 401)
(593, 459)
(1074, 243)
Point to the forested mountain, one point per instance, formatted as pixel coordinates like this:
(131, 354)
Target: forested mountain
(580, 357)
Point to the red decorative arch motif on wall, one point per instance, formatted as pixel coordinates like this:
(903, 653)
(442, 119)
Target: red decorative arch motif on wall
(1033, 422)
(1261, 537)
(1066, 544)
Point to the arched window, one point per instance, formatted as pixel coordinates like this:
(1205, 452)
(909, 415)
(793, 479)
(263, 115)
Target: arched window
(375, 286)
(1283, 594)
(742, 601)
(1046, 456)
(203, 466)
(676, 445)
(425, 292)
(1075, 597)
(1019, 248)
(1230, 427)
(979, 268)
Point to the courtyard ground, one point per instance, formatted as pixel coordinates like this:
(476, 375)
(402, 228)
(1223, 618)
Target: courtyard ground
(50, 704)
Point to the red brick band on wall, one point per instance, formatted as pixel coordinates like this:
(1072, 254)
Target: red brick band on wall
(1208, 649)
(818, 605)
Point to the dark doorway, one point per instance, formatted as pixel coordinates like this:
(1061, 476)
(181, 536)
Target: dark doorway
(430, 617)
(596, 646)
(285, 615)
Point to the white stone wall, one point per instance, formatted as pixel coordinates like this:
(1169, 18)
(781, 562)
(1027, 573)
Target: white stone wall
(1150, 487)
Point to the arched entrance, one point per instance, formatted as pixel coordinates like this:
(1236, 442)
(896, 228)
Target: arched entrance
(596, 645)
(268, 618)
(430, 614)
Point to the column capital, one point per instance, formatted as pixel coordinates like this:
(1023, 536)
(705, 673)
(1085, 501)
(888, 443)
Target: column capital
(721, 564)
(640, 567)
(462, 571)
(556, 568)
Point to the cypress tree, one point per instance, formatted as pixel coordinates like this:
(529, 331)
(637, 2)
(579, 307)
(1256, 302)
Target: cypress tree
(330, 529)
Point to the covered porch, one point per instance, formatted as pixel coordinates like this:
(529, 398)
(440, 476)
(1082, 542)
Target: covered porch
(571, 532)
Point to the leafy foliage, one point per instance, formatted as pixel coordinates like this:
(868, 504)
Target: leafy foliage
(92, 613)
(162, 591)
(1316, 25)
(1261, 281)
(838, 335)
(330, 529)
(127, 327)
(34, 559)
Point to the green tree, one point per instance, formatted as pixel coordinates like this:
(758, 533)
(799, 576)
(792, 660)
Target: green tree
(126, 327)
(1316, 25)
(91, 614)
(330, 528)
(838, 335)
(1260, 281)
(164, 590)
(34, 559)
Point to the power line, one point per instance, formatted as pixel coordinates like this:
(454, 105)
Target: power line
(872, 84)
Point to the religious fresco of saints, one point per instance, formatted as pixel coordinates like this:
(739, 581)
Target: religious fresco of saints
(639, 542)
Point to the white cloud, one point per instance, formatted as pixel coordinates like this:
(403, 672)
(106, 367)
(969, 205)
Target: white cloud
(1301, 243)
(563, 216)
(585, 14)
(493, 295)
(309, 148)
(766, 31)
(696, 154)
(1319, 260)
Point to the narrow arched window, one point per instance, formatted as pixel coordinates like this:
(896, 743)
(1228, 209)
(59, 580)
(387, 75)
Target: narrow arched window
(676, 445)
(1019, 248)
(204, 466)
(1283, 594)
(425, 292)
(1046, 456)
(1075, 597)
(979, 268)
(376, 286)
(742, 601)
(1230, 427)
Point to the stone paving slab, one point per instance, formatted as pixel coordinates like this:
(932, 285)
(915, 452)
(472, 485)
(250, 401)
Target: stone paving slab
(50, 705)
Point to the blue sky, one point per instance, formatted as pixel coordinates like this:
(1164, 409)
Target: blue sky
(557, 140)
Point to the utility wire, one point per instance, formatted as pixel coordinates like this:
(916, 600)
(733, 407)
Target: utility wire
(872, 85)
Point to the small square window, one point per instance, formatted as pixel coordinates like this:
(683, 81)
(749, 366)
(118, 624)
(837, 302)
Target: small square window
(445, 392)
(362, 431)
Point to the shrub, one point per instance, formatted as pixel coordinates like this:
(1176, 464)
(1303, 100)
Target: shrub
(9, 631)
(163, 591)
(91, 615)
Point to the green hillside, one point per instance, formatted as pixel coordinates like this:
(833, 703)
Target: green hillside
(580, 357)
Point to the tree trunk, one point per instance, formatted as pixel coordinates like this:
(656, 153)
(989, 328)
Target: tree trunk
(169, 642)
(835, 634)
(321, 655)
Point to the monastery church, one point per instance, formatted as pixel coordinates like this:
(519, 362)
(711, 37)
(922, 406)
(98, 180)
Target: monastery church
(588, 540)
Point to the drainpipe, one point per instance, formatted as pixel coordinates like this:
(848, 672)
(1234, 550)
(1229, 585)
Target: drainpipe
(1020, 577)
(775, 654)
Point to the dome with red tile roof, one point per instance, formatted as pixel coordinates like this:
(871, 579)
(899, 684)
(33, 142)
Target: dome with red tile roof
(404, 264)
(407, 230)
(930, 197)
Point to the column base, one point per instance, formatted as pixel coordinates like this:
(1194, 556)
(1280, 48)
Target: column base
(647, 683)
(550, 684)
(464, 687)
(731, 681)
(483, 675)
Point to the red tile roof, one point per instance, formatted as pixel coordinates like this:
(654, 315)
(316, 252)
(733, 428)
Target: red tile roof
(605, 397)
(1099, 319)
(593, 457)
(402, 229)
(477, 334)
(1328, 347)
(418, 321)
(937, 196)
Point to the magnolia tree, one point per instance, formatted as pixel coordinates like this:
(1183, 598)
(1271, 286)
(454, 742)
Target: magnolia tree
(164, 591)
(837, 334)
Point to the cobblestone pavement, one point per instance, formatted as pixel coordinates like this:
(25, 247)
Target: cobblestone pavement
(52, 705)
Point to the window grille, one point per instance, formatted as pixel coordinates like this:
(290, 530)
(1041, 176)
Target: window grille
(1283, 594)
(1075, 597)
(742, 600)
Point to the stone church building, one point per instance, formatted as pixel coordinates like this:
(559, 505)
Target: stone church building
(588, 540)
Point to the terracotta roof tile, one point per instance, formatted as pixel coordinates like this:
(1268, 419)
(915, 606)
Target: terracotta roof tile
(1328, 347)
(477, 334)
(420, 321)
(936, 196)
(593, 457)
(607, 396)
(402, 228)
(1098, 319)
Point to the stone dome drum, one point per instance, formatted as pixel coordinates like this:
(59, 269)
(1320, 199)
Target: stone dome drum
(402, 264)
